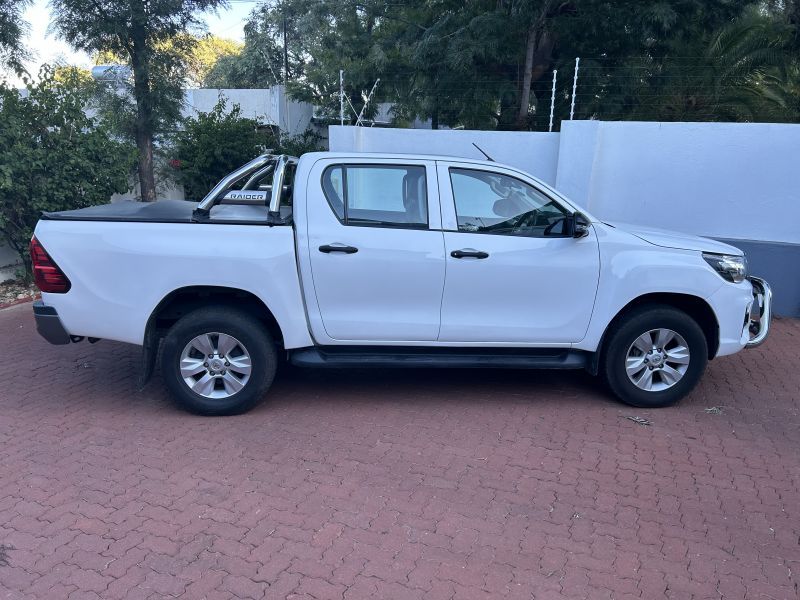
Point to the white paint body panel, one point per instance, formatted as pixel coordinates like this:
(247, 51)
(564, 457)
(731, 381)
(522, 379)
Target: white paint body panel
(121, 271)
(679, 241)
(391, 289)
(400, 288)
(528, 291)
(632, 268)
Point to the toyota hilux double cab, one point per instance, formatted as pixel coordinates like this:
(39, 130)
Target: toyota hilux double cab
(384, 260)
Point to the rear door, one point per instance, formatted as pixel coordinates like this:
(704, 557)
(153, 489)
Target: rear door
(375, 250)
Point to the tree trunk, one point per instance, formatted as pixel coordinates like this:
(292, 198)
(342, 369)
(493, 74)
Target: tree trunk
(527, 73)
(147, 182)
(538, 57)
(144, 115)
(792, 9)
(543, 57)
(509, 109)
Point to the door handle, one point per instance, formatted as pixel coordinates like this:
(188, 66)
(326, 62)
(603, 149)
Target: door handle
(469, 254)
(328, 248)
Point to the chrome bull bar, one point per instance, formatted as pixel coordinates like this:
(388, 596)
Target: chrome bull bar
(760, 313)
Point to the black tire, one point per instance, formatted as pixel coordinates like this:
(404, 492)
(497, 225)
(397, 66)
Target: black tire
(247, 330)
(623, 334)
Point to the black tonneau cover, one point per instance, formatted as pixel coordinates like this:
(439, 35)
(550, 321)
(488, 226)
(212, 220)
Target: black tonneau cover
(170, 211)
(165, 211)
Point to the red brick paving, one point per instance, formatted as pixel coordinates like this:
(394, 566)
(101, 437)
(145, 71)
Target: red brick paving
(400, 484)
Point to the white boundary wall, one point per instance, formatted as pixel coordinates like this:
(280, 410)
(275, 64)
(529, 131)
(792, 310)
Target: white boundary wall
(268, 106)
(535, 152)
(723, 180)
(9, 262)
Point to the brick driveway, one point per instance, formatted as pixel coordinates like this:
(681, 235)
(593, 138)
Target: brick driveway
(404, 484)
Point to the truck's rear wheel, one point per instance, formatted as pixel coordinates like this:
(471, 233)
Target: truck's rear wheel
(218, 361)
(654, 357)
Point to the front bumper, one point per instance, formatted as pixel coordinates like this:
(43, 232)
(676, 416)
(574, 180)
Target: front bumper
(49, 325)
(760, 315)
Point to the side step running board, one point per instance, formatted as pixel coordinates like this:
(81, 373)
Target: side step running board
(388, 357)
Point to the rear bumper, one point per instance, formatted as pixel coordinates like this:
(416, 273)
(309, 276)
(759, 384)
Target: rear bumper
(49, 325)
(760, 314)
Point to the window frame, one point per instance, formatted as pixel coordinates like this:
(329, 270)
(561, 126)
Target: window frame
(448, 169)
(344, 220)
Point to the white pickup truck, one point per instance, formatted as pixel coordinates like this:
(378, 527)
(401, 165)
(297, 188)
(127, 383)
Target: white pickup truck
(343, 260)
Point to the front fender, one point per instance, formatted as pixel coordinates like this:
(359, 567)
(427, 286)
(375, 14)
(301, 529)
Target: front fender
(631, 268)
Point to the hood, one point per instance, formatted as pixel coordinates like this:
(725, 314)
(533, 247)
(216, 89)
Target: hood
(673, 239)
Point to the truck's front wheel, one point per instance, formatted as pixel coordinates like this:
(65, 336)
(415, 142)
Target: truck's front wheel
(218, 361)
(654, 356)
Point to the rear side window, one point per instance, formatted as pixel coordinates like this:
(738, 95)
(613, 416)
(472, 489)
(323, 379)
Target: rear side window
(378, 195)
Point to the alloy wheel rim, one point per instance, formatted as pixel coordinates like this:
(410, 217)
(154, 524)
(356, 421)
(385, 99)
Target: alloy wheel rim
(215, 365)
(657, 360)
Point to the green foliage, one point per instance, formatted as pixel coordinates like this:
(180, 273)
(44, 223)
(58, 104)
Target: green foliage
(213, 144)
(116, 26)
(322, 37)
(148, 35)
(737, 72)
(739, 76)
(53, 156)
(488, 64)
(167, 76)
(257, 64)
(196, 55)
(72, 75)
(297, 145)
(178, 62)
(12, 30)
(208, 51)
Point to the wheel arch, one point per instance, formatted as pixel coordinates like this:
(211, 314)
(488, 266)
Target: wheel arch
(186, 299)
(182, 301)
(694, 306)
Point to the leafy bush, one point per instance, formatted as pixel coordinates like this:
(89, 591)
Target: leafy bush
(53, 155)
(297, 145)
(213, 144)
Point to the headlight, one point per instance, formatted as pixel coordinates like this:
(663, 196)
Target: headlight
(731, 268)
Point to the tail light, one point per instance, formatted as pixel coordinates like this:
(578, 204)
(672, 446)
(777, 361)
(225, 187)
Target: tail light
(48, 277)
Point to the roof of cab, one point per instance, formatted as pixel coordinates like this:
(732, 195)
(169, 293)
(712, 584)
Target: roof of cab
(408, 155)
(314, 156)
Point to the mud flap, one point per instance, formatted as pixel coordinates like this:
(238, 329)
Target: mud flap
(149, 354)
(593, 365)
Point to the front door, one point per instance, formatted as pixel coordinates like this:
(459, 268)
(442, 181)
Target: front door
(376, 251)
(513, 276)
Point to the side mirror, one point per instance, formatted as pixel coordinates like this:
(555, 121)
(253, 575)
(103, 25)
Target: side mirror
(579, 225)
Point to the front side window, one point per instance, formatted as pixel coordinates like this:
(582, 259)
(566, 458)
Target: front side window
(377, 195)
(494, 203)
